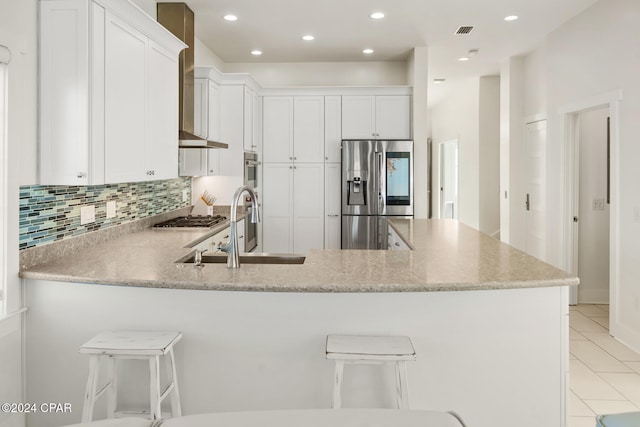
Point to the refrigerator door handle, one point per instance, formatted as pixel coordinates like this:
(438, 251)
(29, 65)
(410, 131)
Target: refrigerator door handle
(380, 180)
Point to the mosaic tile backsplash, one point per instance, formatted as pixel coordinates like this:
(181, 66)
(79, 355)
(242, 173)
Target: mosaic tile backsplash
(52, 213)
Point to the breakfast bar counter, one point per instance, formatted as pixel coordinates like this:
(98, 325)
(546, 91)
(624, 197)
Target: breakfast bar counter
(489, 325)
(446, 256)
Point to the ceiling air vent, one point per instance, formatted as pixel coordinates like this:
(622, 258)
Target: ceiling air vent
(464, 30)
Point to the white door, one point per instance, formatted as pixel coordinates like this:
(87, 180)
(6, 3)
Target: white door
(332, 128)
(393, 117)
(308, 129)
(358, 117)
(332, 200)
(308, 207)
(449, 207)
(161, 150)
(277, 128)
(536, 182)
(277, 207)
(125, 102)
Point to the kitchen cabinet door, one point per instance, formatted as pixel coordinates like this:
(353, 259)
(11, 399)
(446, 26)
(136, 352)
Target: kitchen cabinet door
(277, 128)
(125, 102)
(308, 129)
(200, 107)
(161, 148)
(332, 205)
(308, 207)
(249, 99)
(332, 128)
(64, 75)
(393, 117)
(232, 129)
(193, 162)
(358, 117)
(277, 207)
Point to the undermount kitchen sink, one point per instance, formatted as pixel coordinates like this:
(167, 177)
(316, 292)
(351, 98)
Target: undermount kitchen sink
(257, 258)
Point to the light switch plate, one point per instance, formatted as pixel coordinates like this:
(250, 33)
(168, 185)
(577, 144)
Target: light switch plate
(87, 214)
(111, 209)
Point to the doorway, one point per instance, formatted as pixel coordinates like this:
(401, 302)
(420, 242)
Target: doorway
(449, 206)
(575, 115)
(593, 206)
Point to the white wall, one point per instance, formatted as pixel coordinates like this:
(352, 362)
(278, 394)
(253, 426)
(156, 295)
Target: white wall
(18, 31)
(593, 259)
(204, 57)
(323, 73)
(489, 156)
(593, 54)
(457, 116)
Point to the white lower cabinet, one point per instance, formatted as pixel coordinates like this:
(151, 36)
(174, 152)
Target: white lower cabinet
(241, 238)
(332, 206)
(293, 207)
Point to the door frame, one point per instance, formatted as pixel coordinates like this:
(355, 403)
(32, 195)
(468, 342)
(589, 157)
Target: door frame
(456, 173)
(570, 120)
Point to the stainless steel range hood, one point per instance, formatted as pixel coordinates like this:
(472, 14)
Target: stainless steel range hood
(179, 20)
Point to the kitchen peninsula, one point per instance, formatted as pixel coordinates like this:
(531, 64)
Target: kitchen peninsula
(480, 314)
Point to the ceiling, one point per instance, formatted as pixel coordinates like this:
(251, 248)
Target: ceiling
(343, 28)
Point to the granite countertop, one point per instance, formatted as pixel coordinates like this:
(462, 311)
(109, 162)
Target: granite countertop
(446, 256)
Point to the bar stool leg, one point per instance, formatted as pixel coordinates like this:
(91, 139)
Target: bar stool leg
(90, 391)
(154, 389)
(176, 409)
(401, 385)
(112, 391)
(337, 384)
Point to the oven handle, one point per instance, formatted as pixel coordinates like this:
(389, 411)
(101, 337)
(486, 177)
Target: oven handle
(252, 163)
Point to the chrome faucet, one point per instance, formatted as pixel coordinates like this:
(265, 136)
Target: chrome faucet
(231, 247)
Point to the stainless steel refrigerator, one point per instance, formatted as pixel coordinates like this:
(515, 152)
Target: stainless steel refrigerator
(377, 182)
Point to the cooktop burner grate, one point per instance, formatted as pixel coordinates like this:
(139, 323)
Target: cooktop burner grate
(192, 221)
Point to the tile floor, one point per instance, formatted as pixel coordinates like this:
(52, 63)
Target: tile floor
(604, 374)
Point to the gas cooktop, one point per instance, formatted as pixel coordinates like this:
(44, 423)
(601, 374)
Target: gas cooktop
(192, 221)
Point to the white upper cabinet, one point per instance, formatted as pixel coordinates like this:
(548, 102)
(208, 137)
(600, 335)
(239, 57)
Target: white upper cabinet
(293, 129)
(308, 129)
(232, 129)
(332, 128)
(277, 128)
(108, 94)
(376, 117)
(249, 112)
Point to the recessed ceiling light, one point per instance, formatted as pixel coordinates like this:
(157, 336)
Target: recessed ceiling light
(464, 58)
(376, 15)
(438, 81)
(367, 51)
(308, 37)
(230, 18)
(511, 18)
(256, 52)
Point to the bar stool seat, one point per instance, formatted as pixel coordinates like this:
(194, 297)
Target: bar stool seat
(359, 349)
(128, 345)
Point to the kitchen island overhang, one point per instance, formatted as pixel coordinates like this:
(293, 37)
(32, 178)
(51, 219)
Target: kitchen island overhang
(497, 355)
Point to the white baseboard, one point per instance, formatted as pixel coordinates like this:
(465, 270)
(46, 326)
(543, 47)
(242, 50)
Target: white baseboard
(593, 296)
(626, 335)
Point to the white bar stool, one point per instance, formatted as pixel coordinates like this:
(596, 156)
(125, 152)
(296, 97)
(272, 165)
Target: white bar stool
(358, 349)
(131, 345)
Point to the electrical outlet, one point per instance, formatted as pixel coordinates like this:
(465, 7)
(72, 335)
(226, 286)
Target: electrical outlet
(185, 195)
(597, 204)
(111, 209)
(87, 214)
